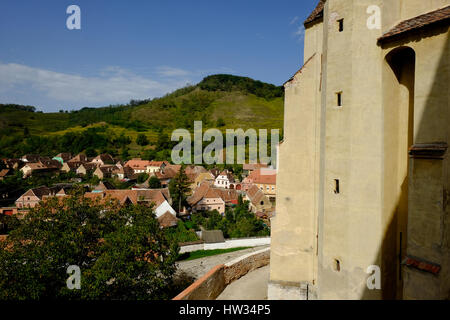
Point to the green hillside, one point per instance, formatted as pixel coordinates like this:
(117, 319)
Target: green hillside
(219, 101)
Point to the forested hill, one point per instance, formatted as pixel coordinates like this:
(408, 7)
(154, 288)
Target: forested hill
(219, 101)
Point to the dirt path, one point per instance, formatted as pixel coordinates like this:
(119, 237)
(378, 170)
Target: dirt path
(197, 268)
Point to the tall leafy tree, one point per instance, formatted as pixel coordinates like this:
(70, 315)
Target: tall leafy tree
(179, 188)
(154, 183)
(121, 251)
(142, 140)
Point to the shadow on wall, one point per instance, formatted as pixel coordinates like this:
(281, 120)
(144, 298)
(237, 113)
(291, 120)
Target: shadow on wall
(428, 226)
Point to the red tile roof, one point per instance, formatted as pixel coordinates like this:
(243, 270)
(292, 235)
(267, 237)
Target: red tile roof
(316, 14)
(263, 176)
(137, 164)
(254, 166)
(427, 19)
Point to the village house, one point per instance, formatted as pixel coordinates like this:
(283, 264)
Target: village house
(265, 179)
(192, 172)
(156, 166)
(63, 157)
(104, 171)
(86, 168)
(123, 173)
(203, 177)
(158, 198)
(103, 186)
(79, 158)
(259, 202)
(248, 168)
(50, 163)
(70, 166)
(207, 198)
(30, 158)
(14, 164)
(33, 196)
(167, 173)
(103, 159)
(120, 164)
(138, 165)
(225, 180)
(215, 172)
(167, 220)
(37, 168)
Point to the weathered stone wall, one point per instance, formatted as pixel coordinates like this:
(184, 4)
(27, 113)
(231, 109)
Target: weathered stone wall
(211, 285)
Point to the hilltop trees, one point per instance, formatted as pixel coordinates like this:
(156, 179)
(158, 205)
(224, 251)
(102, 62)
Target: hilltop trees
(142, 140)
(226, 82)
(121, 251)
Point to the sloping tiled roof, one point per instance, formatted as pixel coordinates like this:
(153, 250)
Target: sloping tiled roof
(64, 155)
(79, 158)
(120, 195)
(299, 71)
(137, 164)
(105, 158)
(169, 172)
(255, 195)
(151, 195)
(427, 19)
(316, 14)
(254, 166)
(4, 172)
(167, 220)
(227, 195)
(259, 176)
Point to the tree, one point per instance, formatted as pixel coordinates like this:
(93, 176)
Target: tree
(179, 188)
(220, 122)
(125, 155)
(90, 152)
(142, 177)
(142, 140)
(121, 251)
(163, 141)
(154, 183)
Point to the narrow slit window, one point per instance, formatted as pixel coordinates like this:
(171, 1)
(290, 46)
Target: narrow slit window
(337, 265)
(341, 25)
(339, 98)
(336, 186)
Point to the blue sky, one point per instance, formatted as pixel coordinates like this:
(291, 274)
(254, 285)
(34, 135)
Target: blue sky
(141, 49)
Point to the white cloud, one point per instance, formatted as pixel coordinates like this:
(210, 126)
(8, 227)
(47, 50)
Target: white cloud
(294, 20)
(51, 91)
(172, 72)
(300, 33)
(113, 84)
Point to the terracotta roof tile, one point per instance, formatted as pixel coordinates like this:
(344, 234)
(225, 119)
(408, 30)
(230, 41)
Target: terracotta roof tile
(167, 220)
(316, 14)
(259, 176)
(427, 19)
